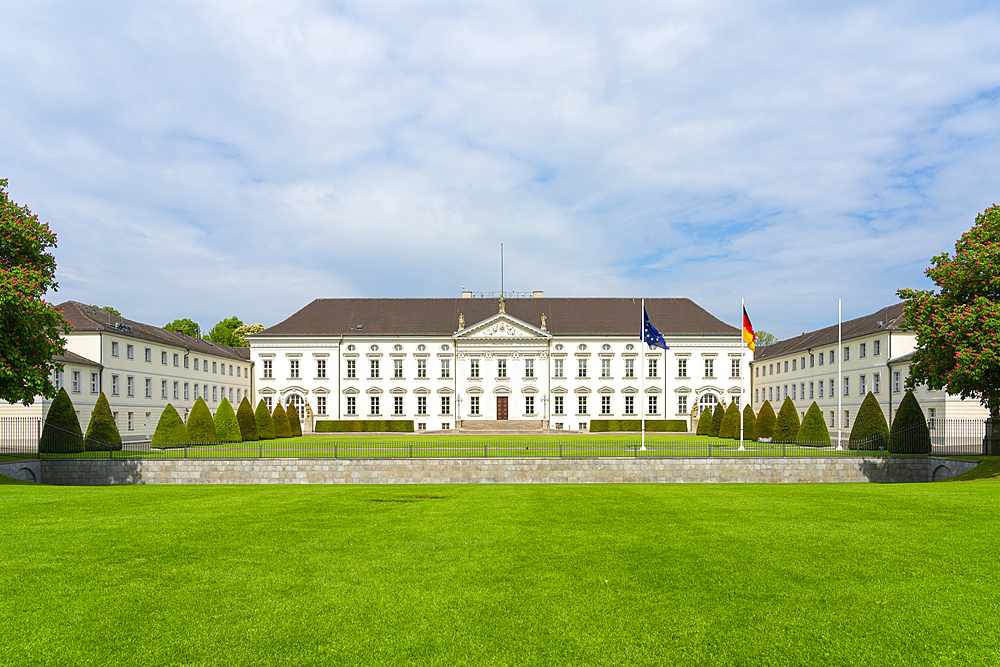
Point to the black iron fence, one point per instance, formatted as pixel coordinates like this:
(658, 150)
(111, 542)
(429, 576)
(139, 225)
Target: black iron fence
(29, 438)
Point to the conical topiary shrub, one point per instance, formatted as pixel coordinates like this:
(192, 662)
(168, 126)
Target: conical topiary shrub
(787, 427)
(909, 434)
(265, 425)
(294, 425)
(764, 428)
(749, 422)
(61, 433)
(201, 426)
(730, 427)
(281, 429)
(102, 432)
(704, 422)
(170, 429)
(717, 416)
(870, 431)
(227, 428)
(247, 421)
(813, 431)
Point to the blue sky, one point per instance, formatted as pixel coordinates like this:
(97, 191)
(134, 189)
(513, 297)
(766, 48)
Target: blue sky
(243, 158)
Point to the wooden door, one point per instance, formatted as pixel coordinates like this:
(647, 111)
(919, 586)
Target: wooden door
(502, 407)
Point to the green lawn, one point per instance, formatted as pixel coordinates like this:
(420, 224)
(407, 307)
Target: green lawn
(872, 574)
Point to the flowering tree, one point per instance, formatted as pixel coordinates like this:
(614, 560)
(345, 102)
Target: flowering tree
(957, 327)
(31, 329)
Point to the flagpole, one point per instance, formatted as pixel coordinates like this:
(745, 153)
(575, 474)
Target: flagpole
(742, 348)
(840, 374)
(642, 377)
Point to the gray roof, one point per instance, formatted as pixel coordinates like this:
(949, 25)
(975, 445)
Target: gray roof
(74, 358)
(91, 318)
(439, 317)
(891, 318)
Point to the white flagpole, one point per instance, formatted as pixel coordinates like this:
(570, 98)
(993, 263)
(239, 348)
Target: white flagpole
(642, 376)
(840, 374)
(743, 345)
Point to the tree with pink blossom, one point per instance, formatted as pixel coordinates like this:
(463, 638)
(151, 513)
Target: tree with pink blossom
(31, 329)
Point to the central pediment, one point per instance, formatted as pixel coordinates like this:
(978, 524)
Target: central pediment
(501, 327)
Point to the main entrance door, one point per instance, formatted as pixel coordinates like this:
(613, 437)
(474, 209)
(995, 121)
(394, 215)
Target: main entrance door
(501, 407)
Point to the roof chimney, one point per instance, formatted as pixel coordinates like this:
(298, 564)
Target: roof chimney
(466, 294)
(537, 294)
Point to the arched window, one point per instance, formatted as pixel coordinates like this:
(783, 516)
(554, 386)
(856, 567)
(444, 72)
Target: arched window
(300, 405)
(707, 402)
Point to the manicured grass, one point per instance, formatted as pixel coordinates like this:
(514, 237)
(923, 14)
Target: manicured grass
(867, 574)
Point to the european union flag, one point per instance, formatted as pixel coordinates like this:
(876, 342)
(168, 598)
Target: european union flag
(650, 336)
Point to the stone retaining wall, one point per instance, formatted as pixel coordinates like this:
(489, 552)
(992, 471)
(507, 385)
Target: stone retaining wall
(28, 471)
(498, 471)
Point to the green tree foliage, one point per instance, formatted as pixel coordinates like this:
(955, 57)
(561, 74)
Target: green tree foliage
(281, 428)
(201, 426)
(870, 431)
(227, 427)
(766, 420)
(909, 433)
(61, 433)
(704, 422)
(787, 427)
(170, 429)
(717, 416)
(265, 425)
(184, 326)
(102, 432)
(111, 310)
(247, 420)
(749, 422)
(958, 327)
(294, 425)
(222, 332)
(31, 329)
(763, 338)
(240, 334)
(730, 426)
(813, 431)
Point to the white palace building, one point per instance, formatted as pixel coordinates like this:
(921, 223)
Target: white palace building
(450, 363)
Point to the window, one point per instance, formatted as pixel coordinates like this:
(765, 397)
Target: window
(293, 368)
(630, 405)
(931, 412)
(812, 390)
(756, 396)
(822, 357)
(770, 369)
(268, 368)
(163, 357)
(651, 367)
(397, 369)
(129, 351)
(630, 368)
(682, 368)
(187, 391)
(238, 390)
(57, 378)
(876, 382)
(581, 405)
(605, 405)
(861, 351)
(474, 368)
(177, 394)
(605, 368)
(114, 348)
(352, 368)
(445, 372)
(176, 359)
(847, 354)
(373, 368)
(847, 386)
(709, 368)
(421, 405)
(831, 356)
(186, 361)
(397, 405)
(862, 385)
(321, 405)
(421, 368)
(529, 368)
(802, 363)
(786, 366)
(352, 405)
(149, 355)
(267, 402)
(786, 390)
(876, 348)
(832, 394)
(446, 405)
(374, 405)
(129, 422)
(559, 405)
(473, 405)
(238, 370)
(196, 366)
(215, 367)
(149, 388)
(821, 384)
(793, 392)
(652, 404)
(847, 418)
(76, 382)
(114, 385)
(581, 368)
(501, 368)
(197, 389)
(802, 390)
(230, 394)
(793, 365)
(559, 368)
(756, 371)
(529, 405)
(320, 369)
(735, 372)
(682, 405)
(895, 382)
(832, 418)
(812, 360)
(215, 393)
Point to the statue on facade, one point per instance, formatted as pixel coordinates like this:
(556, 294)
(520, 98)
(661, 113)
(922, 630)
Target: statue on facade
(503, 307)
(545, 322)
(461, 321)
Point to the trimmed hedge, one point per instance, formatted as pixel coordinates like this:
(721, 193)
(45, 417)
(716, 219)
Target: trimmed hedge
(265, 425)
(200, 425)
(61, 433)
(730, 427)
(766, 420)
(909, 433)
(787, 428)
(704, 422)
(364, 426)
(227, 428)
(813, 431)
(717, 416)
(281, 428)
(294, 425)
(749, 422)
(102, 433)
(247, 421)
(870, 431)
(655, 425)
(170, 429)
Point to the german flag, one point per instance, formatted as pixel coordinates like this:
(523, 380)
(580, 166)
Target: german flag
(748, 335)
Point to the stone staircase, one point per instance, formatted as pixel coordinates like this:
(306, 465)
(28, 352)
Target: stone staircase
(502, 426)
